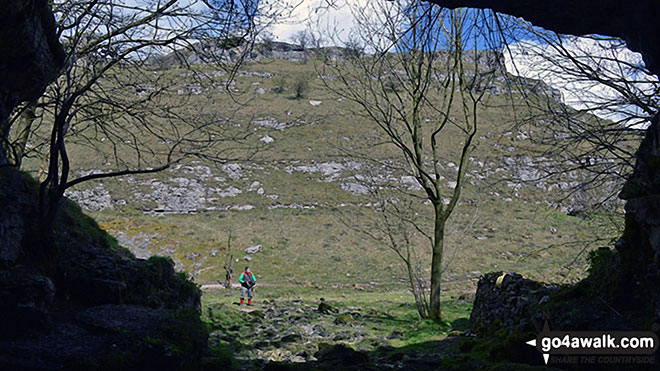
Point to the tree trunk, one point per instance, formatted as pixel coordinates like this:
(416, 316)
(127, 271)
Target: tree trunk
(436, 263)
(417, 292)
(25, 129)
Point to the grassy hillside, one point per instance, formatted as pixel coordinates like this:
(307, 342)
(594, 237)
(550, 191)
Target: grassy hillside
(298, 179)
(292, 186)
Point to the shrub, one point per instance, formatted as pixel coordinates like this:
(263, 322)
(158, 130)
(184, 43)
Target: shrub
(604, 275)
(278, 84)
(299, 87)
(231, 42)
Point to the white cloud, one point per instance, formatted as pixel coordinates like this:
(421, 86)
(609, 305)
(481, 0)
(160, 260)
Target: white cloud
(340, 20)
(541, 61)
(528, 58)
(322, 17)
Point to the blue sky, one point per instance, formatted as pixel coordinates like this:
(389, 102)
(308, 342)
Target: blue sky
(527, 55)
(338, 21)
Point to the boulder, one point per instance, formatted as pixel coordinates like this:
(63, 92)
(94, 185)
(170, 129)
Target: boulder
(343, 319)
(326, 308)
(340, 354)
(507, 301)
(234, 171)
(267, 139)
(253, 249)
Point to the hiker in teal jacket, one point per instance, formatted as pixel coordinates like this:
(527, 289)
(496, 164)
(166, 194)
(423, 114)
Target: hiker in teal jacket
(247, 281)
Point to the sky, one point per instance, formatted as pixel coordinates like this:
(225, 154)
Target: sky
(338, 21)
(526, 57)
(317, 14)
(537, 60)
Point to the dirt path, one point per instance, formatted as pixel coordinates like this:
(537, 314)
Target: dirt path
(217, 286)
(235, 285)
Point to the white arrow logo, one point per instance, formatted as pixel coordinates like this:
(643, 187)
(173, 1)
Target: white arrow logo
(546, 356)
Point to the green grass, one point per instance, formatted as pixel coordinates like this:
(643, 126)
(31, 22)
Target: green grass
(322, 248)
(320, 252)
(379, 314)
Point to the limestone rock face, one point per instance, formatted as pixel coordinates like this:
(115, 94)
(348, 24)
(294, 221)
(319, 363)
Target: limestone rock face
(31, 54)
(253, 249)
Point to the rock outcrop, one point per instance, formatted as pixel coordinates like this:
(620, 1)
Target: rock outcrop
(508, 302)
(639, 247)
(90, 302)
(31, 55)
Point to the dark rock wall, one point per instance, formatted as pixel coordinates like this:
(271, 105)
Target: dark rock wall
(31, 55)
(86, 301)
(639, 246)
(14, 198)
(517, 305)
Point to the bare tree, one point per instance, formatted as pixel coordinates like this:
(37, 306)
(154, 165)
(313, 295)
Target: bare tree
(117, 96)
(305, 40)
(414, 71)
(302, 39)
(228, 264)
(397, 224)
(593, 128)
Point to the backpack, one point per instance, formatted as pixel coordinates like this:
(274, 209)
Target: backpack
(248, 279)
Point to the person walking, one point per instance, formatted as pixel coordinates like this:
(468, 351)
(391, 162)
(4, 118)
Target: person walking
(247, 281)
